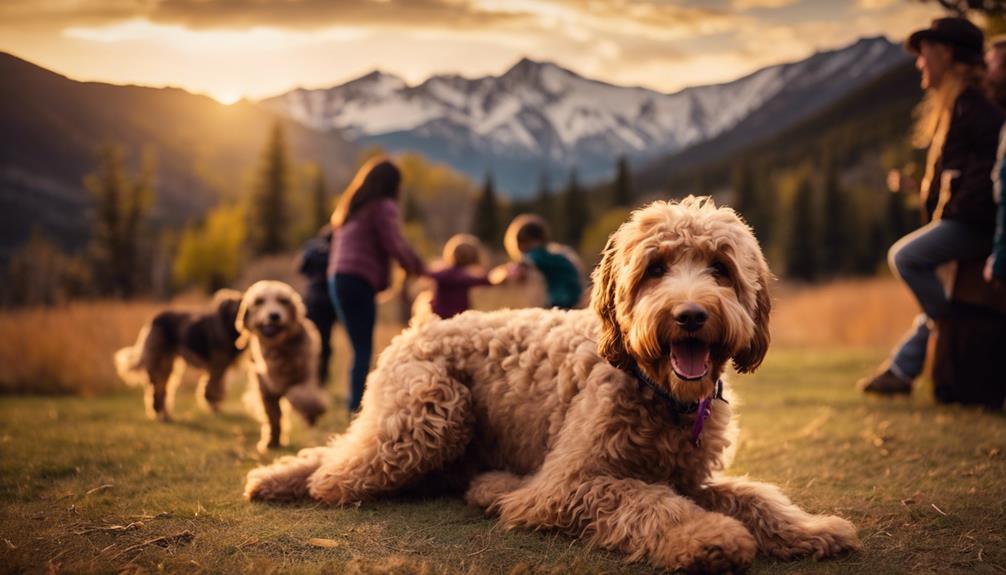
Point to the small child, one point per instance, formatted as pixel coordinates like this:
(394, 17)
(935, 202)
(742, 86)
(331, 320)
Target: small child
(527, 242)
(453, 282)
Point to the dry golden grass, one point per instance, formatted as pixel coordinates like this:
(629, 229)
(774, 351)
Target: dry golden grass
(847, 313)
(68, 349)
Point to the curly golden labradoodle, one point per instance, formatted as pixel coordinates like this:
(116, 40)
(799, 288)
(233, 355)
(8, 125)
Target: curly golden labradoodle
(611, 424)
(285, 348)
(206, 341)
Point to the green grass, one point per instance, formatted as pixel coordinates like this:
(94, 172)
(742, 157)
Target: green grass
(89, 485)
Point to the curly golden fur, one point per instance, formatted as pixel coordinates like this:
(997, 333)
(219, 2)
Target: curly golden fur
(536, 412)
(206, 341)
(284, 350)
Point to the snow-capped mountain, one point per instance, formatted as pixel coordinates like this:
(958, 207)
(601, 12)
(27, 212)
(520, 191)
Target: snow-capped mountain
(538, 117)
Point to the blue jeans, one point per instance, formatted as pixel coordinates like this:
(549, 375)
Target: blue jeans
(914, 258)
(354, 302)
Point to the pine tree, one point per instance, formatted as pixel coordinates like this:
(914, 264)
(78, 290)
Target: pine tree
(835, 229)
(575, 212)
(544, 203)
(802, 253)
(108, 187)
(748, 201)
(898, 217)
(622, 193)
(486, 221)
(321, 208)
(122, 207)
(269, 208)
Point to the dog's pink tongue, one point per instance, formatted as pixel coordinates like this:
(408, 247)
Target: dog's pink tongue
(690, 358)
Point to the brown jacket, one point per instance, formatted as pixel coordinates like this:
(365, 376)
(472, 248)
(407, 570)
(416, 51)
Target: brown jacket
(961, 188)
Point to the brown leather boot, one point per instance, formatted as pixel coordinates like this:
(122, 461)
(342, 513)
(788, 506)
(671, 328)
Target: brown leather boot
(885, 383)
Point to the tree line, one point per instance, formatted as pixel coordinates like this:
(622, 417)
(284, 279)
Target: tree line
(128, 254)
(570, 211)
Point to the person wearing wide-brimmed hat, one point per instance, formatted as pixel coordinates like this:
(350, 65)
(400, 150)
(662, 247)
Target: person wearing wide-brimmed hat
(960, 126)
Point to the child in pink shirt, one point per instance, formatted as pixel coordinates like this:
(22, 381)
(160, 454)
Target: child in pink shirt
(454, 281)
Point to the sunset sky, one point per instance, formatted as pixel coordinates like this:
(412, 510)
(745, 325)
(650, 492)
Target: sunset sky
(256, 48)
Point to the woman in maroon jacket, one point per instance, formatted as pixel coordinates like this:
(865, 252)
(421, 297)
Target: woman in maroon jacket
(367, 234)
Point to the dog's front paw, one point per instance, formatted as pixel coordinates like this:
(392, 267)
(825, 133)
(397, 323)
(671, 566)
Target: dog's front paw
(258, 485)
(270, 484)
(820, 537)
(284, 480)
(163, 417)
(712, 543)
(485, 490)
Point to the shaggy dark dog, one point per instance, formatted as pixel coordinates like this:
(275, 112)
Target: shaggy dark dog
(206, 341)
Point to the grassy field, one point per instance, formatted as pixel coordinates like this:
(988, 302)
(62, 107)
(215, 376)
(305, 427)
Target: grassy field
(89, 485)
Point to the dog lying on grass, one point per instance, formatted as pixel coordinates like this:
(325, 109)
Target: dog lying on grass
(612, 424)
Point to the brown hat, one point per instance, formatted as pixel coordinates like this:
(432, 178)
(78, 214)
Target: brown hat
(965, 38)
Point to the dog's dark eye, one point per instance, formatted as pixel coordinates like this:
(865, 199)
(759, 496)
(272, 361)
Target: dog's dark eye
(283, 301)
(656, 270)
(259, 301)
(719, 270)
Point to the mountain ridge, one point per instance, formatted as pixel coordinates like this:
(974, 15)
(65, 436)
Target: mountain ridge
(538, 117)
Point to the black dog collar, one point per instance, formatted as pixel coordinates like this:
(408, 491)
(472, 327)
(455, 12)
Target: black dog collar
(674, 405)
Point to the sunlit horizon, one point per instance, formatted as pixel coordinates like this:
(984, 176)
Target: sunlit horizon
(232, 54)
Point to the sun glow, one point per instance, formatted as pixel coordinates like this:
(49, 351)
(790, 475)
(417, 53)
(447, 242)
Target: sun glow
(225, 97)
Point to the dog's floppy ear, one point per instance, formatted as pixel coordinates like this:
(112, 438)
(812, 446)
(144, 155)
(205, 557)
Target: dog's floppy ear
(748, 360)
(241, 324)
(298, 305)
(610, 344)
(228, 305)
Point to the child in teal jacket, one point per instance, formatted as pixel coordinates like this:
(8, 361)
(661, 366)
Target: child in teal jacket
(527, 242)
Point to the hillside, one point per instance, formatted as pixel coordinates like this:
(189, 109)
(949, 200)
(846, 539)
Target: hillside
(53, 128)
(875, 115)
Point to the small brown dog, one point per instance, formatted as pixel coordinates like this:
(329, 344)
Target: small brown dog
(285, 348)
(206, 341)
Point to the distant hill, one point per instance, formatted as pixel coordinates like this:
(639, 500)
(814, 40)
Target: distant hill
(52, 128)
(539, 117)
(863, 121)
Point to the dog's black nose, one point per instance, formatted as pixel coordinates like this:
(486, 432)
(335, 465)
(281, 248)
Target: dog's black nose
(274, 317)
(690, 316)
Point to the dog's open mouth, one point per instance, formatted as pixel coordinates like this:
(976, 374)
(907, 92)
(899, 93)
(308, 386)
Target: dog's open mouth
(690, 359)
